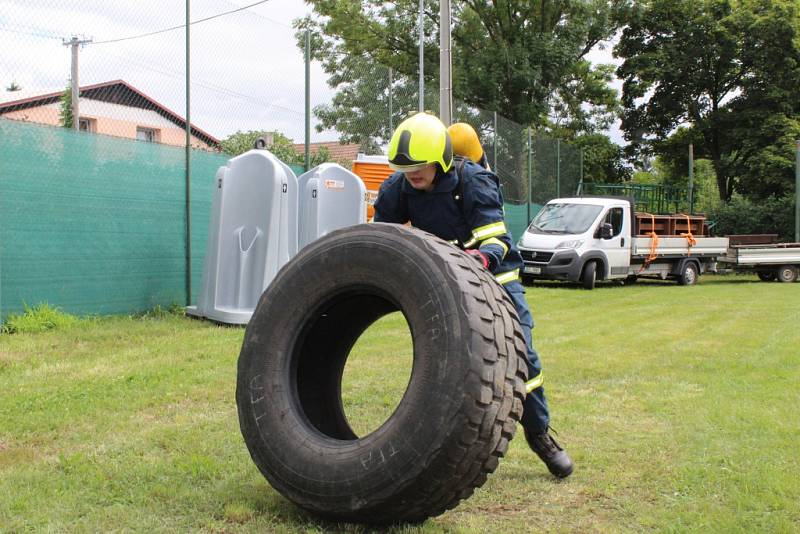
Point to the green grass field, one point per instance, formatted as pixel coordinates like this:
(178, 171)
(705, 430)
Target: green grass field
(679, 405)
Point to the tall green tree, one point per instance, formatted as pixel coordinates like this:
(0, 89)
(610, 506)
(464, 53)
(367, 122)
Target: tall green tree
(525, 60)
(603, 160)
(766, 114)
(727, 70)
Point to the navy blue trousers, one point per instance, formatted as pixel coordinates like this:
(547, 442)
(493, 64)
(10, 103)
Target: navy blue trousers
(535, 415)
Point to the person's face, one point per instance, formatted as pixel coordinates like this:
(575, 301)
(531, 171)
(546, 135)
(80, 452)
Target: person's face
(422, 178)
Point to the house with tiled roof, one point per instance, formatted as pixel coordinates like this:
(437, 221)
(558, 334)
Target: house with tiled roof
(111, 108)
(342, 154)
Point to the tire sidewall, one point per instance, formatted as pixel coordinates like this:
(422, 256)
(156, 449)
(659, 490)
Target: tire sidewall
(276, 431)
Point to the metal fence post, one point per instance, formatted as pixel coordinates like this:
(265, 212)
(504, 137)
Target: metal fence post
(494, 144)
(558, 168)
(307, 164)
(691, 178)
(530, 175)
(391, 119)
(188, 154)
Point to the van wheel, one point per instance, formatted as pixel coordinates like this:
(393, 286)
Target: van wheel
(766, 276)
(689, 275)
(460, 409)
(787, 273)
(589, 275)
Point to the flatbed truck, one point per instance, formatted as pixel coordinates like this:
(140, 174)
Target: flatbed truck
(586, 239)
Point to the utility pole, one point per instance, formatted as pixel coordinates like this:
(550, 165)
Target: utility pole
(421, 58)
(445, 64)
(74, 86)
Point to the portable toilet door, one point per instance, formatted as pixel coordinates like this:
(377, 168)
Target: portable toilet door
(252, 234)
(331, 197)
(373, 170)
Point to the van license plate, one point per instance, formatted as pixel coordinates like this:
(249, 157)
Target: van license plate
(530, 269)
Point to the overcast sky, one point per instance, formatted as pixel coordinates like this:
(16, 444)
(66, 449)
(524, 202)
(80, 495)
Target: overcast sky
(247, 72)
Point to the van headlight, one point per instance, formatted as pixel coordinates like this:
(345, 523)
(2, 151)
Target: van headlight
(572, 243)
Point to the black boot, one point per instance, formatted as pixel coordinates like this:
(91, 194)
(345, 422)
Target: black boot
(551, 453)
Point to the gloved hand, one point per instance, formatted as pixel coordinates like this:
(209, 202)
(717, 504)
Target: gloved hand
(482, 258)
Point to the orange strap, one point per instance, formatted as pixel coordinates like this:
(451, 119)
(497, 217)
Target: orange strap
(688, 235)
(653, 243)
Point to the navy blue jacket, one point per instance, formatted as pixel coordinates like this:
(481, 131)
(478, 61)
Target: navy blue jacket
(474, 221)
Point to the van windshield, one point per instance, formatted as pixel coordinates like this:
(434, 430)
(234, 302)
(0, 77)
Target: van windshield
(564, 218)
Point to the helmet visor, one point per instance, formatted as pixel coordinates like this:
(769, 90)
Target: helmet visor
(409, 168)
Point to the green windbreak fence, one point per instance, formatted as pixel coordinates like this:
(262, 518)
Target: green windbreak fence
(517, 217)
(96, 224)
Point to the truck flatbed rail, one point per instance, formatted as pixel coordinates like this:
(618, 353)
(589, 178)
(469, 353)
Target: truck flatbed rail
(768, 254)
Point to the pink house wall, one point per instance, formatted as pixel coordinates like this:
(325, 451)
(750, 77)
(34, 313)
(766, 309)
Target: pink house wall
(48, 114)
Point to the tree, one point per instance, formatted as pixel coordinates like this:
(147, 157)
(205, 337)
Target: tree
(603, 160)
(65, 112)
(723, 69)
(766, 114)
(277, 143)
(527, 63)
(13, 86)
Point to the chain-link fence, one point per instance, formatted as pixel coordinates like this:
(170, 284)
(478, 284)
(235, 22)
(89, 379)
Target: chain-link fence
(246, 73)
(126, 62)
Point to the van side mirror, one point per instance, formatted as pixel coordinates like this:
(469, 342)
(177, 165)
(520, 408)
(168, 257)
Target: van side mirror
(606, 231)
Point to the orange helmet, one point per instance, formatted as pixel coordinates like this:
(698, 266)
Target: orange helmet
(465, 141)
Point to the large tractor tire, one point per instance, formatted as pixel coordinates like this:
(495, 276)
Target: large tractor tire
(463, 400)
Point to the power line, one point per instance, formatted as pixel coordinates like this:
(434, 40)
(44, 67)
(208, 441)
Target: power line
(33, 34)
(259, 15)
(182, 25)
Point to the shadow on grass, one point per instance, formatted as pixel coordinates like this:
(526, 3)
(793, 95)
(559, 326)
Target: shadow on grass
(258, 503)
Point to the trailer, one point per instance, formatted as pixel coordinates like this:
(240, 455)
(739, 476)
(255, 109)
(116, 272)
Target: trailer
(770, 261)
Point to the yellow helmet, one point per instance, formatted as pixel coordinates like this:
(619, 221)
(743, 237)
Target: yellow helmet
(419, 141)
(465, 141)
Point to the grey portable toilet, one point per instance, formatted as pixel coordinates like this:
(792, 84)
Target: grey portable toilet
(331, 197)
(251, 235)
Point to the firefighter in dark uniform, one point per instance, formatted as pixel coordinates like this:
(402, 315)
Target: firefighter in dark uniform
(462, 203)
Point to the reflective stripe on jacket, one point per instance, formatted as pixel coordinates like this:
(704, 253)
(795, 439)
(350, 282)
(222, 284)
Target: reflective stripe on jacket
(474, 221)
